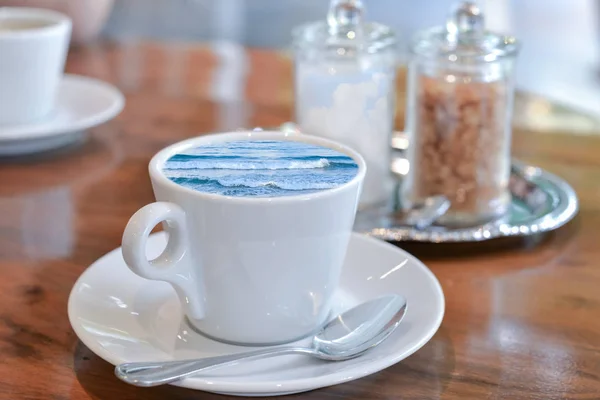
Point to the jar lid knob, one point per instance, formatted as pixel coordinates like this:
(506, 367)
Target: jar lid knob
(345, 15)
(466, 20)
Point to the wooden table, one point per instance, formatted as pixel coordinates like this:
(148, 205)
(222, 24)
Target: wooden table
(520, 323)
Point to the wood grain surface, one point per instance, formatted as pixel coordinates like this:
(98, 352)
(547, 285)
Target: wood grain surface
(522, 318)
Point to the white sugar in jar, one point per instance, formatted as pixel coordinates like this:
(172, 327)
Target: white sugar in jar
(344, 82)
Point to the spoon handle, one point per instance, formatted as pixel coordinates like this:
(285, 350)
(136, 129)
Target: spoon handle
(147, 374)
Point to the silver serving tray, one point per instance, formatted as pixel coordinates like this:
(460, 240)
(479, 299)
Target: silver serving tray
(541, 202)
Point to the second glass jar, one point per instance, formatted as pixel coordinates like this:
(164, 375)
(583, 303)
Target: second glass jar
(459, 111)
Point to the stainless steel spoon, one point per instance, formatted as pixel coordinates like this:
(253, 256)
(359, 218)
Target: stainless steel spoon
(424, 215)
(347, 336)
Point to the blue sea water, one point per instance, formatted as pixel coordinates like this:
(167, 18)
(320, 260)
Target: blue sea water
(260, 168)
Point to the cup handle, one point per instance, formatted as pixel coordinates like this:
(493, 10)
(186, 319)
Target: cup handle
(173, 264)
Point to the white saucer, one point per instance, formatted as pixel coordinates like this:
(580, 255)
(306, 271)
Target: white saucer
(122, 318)
(81, 103)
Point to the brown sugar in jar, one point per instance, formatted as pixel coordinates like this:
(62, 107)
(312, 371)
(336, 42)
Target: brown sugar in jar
(458, 121)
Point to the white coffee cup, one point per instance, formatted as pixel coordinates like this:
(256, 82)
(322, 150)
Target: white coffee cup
(248, 270)
(33, 50)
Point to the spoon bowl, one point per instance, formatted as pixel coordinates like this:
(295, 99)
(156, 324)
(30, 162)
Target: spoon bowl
(357, 330)
(347, 336)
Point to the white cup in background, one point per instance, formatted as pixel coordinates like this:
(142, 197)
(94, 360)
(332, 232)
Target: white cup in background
(33, 50)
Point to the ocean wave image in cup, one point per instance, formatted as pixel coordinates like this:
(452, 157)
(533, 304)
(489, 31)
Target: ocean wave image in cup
(260, 168)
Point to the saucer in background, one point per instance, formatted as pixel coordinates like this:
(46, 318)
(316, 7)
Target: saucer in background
(123, 318)
(81, 103)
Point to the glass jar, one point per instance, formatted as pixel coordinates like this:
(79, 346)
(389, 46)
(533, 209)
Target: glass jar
(345, 73)
(459, 110)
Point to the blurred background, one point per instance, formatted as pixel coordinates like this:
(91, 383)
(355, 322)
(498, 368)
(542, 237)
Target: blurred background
(559, 65)
(561, 38)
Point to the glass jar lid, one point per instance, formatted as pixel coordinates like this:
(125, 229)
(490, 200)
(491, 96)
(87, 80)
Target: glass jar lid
(464, 39)
(344, 29)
